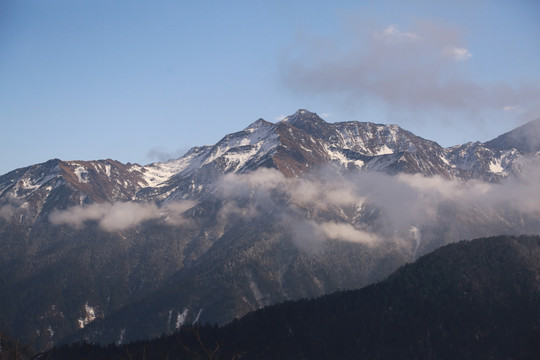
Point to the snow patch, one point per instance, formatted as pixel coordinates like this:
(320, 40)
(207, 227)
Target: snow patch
(414, 232)
(341, 158)
(50, 331)
(181, 319)
(169, 318)
(26, 184)
(90, 315)
(237, 159)
(496, 167)
(262, 137)
(337, 156)
(384, 150)
(33, 184)
(318, 282)
(82, 174)
(256, 292)
(121, 337)
(198, 316)
(238, 149)
(445, 160)
(157, 174)
(305, 148)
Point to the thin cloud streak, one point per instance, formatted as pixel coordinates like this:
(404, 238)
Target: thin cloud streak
(122, 215)
(457, 53)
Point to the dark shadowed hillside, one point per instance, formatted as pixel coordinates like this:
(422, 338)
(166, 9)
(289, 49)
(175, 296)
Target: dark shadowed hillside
(469, 300)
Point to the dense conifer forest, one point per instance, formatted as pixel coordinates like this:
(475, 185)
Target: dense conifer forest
(475, 299)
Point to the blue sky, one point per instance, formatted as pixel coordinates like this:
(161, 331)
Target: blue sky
(141, 81)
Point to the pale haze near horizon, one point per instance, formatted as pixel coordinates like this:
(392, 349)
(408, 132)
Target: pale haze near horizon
(141, 82)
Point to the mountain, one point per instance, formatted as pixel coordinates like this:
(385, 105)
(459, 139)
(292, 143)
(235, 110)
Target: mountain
(468, 300)
(524, 139)
(41, 188)
(275, 212)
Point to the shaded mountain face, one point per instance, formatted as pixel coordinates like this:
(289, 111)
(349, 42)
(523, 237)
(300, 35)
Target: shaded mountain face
(468, 300)
(525, 139)
(300, 208)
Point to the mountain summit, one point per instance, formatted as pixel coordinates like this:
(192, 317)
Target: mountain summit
(525, 139)
(298, 144)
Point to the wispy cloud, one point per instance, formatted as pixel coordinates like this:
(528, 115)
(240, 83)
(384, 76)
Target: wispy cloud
(121, 215)
(513, 108)
(374, 208)
(162, 155)
(6, 211)
(417, 69)
(456, 53)
(393, 33)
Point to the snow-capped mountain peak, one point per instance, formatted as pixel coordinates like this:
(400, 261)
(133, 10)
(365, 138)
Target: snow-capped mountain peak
(255, 126)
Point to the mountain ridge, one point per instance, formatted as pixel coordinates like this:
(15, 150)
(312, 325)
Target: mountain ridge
(523, 138)
(294, 146)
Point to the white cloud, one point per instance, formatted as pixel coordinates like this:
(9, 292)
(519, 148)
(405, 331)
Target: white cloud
(457, 53)
(173, 212)
(6, 212)
(347, 232)
(121, 215)
(232, 210)
(511, 108)
(392, 32)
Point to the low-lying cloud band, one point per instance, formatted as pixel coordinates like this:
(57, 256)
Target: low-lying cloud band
(121, 215)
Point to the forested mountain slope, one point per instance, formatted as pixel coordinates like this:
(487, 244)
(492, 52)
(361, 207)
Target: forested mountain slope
(475, 299)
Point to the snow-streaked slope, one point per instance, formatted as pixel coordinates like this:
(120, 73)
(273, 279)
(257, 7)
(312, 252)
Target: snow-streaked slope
(157, 174)
(237, 149)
